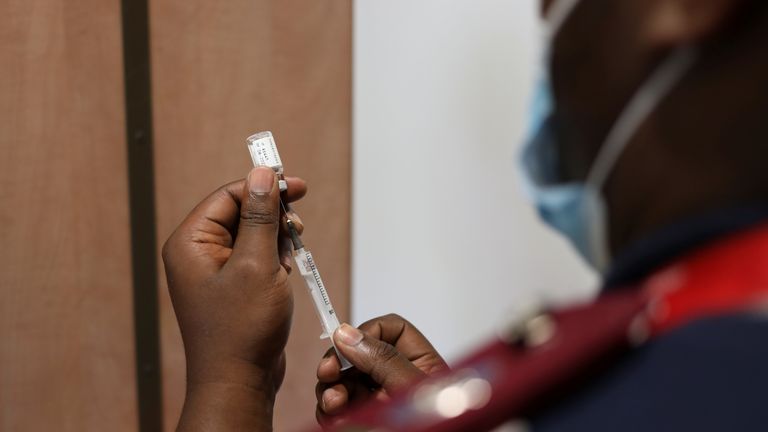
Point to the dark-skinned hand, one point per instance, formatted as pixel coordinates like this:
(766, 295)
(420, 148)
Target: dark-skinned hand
(388, 353)
(227, 266)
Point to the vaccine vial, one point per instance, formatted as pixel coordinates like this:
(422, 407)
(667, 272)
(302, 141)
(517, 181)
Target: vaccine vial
(264, 153)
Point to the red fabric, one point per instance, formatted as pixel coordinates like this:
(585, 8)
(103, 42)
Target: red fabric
(729, 276)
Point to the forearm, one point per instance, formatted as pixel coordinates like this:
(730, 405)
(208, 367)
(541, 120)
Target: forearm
(235, 397)
(226, 407)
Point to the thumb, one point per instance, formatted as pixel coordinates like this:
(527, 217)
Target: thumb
(259, 216)
(376, 358)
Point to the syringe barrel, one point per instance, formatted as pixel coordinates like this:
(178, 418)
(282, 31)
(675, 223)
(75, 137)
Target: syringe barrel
(323, 306)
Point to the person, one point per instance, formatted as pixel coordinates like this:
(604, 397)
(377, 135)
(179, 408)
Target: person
(647, 154)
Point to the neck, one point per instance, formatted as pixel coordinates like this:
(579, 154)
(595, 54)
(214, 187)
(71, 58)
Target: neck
(702, 149)
(658, 249)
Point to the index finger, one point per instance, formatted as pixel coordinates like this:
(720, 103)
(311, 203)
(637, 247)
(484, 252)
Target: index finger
(214, 221)
(297, 188)
(223, 206)
(329, 368)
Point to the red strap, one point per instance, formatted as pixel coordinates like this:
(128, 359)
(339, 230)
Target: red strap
(729, 276)
(513, 379)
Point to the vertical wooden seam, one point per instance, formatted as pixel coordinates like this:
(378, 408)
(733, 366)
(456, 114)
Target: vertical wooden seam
(138, 111)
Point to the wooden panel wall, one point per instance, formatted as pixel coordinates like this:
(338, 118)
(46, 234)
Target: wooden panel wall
(66, 333)
(221, 71)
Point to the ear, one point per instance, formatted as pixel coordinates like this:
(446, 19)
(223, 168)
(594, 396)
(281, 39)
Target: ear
(679, 22)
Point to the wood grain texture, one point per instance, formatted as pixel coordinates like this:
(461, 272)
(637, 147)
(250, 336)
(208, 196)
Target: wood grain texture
(66, 334)
(221, 71)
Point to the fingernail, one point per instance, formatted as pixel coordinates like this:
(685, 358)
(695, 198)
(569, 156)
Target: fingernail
(329, 395)
(261, 180)
(294, 217)
(325, 362)
(349, 335)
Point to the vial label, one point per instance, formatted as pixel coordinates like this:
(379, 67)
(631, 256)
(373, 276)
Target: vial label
(264, 151)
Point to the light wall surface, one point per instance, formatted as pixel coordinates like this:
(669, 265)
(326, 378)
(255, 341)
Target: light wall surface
(442, 233)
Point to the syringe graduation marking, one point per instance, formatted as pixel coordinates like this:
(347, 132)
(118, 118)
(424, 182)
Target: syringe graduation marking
(320, 286)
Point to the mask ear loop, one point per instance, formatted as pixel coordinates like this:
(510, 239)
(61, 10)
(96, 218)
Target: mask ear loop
(646, 99)
(643, 102)
(559, 12)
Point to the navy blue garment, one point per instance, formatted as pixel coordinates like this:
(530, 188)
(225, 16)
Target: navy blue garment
(710, 375)
(707, 375)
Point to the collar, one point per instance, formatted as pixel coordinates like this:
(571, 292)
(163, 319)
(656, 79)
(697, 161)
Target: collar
(663, 246)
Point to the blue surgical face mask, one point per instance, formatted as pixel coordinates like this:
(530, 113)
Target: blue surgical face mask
(577, 209)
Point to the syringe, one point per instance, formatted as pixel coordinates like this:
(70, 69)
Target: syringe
(308, 270)
(264, 153)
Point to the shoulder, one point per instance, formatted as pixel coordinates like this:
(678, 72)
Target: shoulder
(707, 375)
